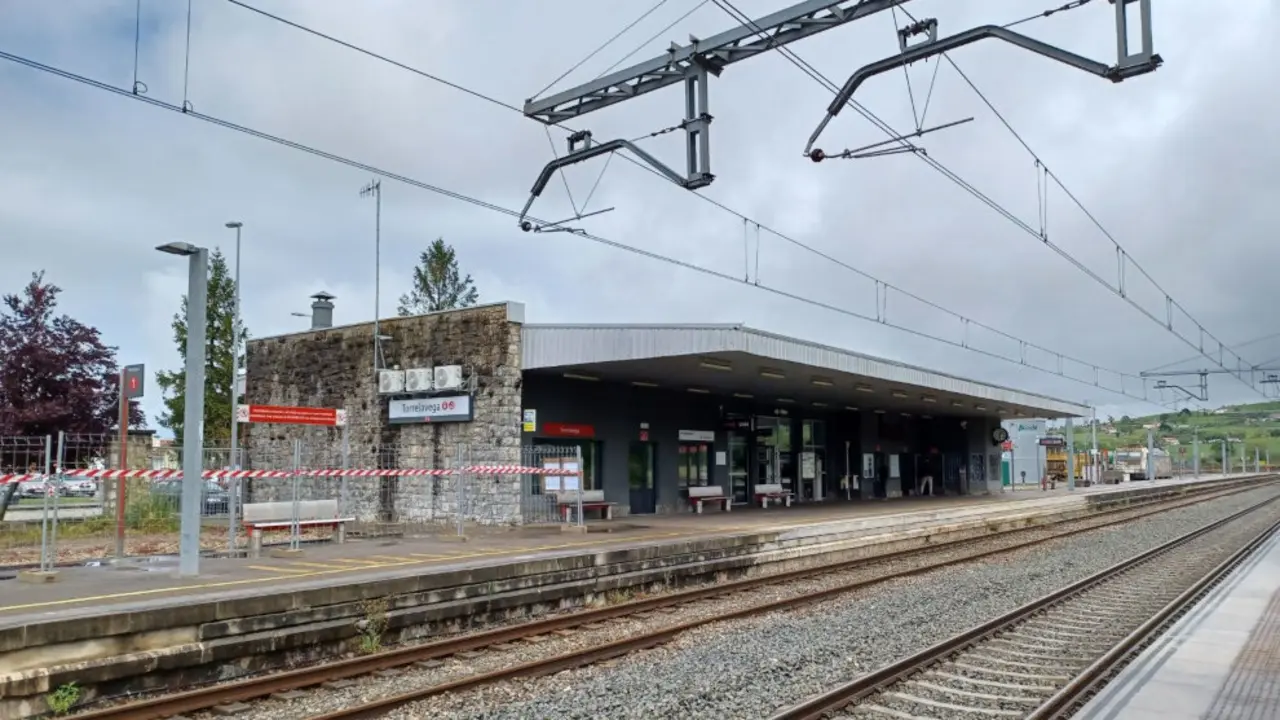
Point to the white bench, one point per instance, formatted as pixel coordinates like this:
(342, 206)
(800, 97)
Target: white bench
(701, 494)
(567, 501)
(260, 517)
(774, 491)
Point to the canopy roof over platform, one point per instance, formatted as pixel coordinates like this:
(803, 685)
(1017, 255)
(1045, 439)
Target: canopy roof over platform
(737, 360)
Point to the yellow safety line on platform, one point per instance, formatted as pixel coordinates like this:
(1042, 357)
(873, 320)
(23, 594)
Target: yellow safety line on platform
(278, 569)
(318, 573)
(322, 566)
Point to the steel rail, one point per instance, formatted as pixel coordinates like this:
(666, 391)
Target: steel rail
(820, 706)
(535, 668)
(166, 706)
(1081, 687)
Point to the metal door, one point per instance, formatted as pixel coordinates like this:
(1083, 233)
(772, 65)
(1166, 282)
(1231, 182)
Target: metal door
(644, 495)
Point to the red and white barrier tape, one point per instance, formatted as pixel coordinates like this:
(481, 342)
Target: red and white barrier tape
(323, 472)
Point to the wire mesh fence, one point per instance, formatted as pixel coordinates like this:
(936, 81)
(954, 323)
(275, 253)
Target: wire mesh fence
(73, 498)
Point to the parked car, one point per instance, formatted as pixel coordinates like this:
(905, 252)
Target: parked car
(215, 500)
(79, 487)
(32, 488)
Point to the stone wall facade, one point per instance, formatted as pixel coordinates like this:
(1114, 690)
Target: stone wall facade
(334, 368)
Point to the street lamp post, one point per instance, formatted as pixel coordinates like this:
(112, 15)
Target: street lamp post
(193, 417)
(233, 484)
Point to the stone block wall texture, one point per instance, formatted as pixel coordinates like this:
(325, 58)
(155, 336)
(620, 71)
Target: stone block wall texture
(334, 368)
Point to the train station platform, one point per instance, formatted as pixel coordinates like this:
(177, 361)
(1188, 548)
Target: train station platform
(151, 583)
(1221, 661)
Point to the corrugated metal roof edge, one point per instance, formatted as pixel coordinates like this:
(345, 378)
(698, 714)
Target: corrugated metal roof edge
(745, 329)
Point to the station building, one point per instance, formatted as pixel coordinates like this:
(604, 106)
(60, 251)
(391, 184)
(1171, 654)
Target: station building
(653, 409)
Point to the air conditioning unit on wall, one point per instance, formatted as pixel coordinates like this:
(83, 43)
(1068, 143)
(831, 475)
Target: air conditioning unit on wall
(419, 380)
(390, 382)
(448, 377)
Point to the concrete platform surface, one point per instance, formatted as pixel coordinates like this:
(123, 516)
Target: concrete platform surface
(1219, 662)
(153, 583)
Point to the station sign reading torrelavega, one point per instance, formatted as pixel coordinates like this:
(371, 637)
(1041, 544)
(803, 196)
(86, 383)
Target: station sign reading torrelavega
(453, 408)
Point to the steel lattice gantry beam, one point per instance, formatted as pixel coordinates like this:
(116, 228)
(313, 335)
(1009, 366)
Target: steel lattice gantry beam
(691, 65)
(713, 54)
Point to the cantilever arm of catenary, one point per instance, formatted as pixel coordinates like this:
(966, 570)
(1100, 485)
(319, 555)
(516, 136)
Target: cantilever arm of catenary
(593, 151)
(1115, 73)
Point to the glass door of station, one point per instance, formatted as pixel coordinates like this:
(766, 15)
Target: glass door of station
(739, 468)
(772, 459)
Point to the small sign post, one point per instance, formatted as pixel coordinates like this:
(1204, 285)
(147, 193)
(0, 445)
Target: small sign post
(132, 387)
(291, 415)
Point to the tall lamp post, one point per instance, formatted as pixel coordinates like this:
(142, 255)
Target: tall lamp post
(233, 484)
(193, 416)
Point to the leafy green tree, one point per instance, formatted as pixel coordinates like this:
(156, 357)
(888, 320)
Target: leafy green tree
(438, 284)
(220, 315)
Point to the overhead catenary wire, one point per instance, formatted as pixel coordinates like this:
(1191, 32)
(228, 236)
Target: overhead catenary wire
(602, 46)
(1093, 219)
(1246, 343)
(595, 238)
(27, 62)
(882, 296)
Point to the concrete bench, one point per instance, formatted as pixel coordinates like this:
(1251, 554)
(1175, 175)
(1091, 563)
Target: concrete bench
(765, 493)
(261, 517)
(702, 494)
(567, 501)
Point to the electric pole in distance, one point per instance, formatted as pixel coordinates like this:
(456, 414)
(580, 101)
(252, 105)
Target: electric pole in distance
(374, 190)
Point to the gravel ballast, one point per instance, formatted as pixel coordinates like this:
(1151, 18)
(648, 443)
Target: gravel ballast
(747, 668)
(753, 667)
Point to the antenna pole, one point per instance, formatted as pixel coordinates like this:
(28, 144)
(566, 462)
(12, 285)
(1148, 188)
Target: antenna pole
(374, 188)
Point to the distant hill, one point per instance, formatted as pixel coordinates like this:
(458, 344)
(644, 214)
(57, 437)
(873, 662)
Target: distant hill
(1258, 425)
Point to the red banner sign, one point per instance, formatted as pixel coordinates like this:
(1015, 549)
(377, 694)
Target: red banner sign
(568, 430)
(285, 415)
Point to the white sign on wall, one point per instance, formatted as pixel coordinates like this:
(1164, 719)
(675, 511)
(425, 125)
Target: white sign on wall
(454, 408)
(696, 435)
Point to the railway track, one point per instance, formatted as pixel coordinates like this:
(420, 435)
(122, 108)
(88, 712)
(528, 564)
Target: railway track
(501, 637)
(1044, 659)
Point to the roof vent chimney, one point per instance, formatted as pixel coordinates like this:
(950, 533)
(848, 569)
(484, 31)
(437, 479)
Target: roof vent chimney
(321, 311)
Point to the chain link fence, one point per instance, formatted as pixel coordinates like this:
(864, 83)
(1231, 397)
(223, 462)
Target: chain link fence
(63, 499)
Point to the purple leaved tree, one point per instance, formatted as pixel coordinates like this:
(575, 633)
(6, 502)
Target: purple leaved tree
(55, 372)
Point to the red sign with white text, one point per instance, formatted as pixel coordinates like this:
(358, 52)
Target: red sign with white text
(285, 415)
(568, 430)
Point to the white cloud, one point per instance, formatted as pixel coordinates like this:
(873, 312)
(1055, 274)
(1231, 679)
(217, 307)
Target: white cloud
(1177, 164)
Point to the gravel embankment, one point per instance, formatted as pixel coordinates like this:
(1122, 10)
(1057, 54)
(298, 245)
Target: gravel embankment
(751, 668)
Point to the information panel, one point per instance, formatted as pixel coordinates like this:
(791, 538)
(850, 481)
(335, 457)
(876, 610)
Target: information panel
(453, 408)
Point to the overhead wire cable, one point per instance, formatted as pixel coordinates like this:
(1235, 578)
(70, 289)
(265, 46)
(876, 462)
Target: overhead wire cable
(1093, 219)
(894, 135)
(602, 46)
(814, 74)
(365, 167)
(1246, 343)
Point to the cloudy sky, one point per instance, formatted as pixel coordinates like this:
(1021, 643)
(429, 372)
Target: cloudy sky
(1175, 165)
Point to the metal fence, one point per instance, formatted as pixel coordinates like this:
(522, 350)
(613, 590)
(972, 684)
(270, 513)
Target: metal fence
(61, 510)
(68, 504)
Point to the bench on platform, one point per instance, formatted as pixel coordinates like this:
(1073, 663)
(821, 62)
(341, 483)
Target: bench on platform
(774, 491)
(703, 494)
(567, 501)
(261, 517)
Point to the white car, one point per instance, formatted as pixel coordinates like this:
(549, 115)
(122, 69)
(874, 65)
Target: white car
(32, 488)
(79, 487)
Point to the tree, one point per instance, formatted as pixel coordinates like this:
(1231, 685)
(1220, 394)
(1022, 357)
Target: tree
(56, 375)
(219, 314)
(55, 372)
(437, 283)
